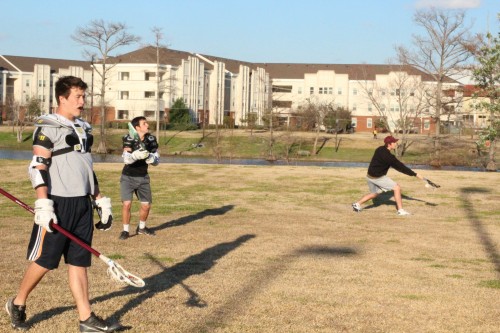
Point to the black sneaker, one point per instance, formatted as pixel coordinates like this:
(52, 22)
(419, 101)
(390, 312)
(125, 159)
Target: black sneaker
(145, 231)
(97, 324)
(17, 315)
(124, 235)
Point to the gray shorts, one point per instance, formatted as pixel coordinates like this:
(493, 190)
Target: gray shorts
(381, 184)
(138, 185)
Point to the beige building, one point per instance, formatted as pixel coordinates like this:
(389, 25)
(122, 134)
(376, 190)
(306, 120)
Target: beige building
(218, 90)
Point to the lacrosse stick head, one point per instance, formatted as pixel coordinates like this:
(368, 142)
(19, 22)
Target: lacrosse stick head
(117, 273)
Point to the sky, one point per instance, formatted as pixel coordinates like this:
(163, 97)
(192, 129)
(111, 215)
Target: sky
(259, 31)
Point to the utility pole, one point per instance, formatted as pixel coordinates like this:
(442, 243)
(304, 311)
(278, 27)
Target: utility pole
(158, 37)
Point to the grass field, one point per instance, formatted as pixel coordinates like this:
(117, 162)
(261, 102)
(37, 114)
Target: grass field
(278, 249)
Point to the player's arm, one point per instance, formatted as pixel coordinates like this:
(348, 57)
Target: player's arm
(39, 176)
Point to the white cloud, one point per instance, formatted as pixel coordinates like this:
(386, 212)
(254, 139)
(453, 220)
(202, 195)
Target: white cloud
(448, 4)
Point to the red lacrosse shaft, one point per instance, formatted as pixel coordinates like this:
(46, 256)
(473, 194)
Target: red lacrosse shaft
(52, 225)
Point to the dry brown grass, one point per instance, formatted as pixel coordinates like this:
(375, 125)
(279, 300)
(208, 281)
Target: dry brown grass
(278, 249)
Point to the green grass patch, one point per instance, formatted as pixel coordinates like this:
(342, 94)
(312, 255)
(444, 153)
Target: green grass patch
(495, 284)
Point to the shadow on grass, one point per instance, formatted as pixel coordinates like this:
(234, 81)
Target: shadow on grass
(477, 225)
(385, 199)
(191, 218)
(165, 280)
(261, 280)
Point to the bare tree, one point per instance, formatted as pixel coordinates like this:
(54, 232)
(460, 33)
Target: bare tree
(21, 115)
(401, 103)
(440, 52)
(313, 112)
(103, 39)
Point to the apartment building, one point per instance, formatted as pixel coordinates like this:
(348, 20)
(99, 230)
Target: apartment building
(218, 90)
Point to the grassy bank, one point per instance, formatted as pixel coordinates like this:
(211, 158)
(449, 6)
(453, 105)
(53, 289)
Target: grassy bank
(278, 249)
(239, 143)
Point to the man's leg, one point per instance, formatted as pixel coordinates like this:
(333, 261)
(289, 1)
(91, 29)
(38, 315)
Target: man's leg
(126, 206)
(397, 196)
(144, 211)
(365, 198)
(143, 216)
(33, 275)
(16, 307)
(78, 283)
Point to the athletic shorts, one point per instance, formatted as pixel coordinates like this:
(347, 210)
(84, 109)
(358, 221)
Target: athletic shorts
(381, 184)
(75, 214)
(138, 185)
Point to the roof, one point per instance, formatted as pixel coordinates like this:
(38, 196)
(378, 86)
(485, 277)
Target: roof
(27, 64)
(354, 71)
(174, 57)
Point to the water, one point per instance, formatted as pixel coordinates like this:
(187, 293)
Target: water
(101, 158)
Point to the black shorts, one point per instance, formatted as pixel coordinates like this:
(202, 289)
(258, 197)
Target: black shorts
(76, 216)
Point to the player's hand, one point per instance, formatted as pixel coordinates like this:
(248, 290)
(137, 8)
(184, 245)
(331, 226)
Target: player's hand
(151, 159)
(44, 213)
(140, 154)
(103, 207)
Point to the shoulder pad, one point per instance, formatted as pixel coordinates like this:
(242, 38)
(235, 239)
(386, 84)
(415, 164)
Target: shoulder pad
(49, 120)
(149, 138)
(85, 125)
(127, 138)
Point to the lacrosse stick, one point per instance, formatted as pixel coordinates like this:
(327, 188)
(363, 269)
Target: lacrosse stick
(115, 271)
(431, 183)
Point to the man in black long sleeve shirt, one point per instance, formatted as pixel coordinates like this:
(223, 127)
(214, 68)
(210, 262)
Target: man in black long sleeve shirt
(377, 179)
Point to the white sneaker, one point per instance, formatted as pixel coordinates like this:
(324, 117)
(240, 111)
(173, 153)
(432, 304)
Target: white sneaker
(356, 207)
(403, 212)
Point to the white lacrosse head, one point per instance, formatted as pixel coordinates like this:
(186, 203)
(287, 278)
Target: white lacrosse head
(117, 273)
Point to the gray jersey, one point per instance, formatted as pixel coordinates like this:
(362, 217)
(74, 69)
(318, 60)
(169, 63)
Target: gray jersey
(71, 170)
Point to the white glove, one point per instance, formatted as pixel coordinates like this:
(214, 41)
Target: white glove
(140, 154)
(103, 207)
(152, 159)
(44, 213)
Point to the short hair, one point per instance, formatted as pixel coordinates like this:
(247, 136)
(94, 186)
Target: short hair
(64, 85)
(135, 122)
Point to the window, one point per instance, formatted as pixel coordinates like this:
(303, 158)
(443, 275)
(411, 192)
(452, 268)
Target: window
(123, 94)
(383, 92)
(149, 114)
(149, 94)
(282, 89)
(321, 90)
(27, 82)
(370, 107)
(124, 76)
(354, 107)
(339, 91)
(122, 114)
(300, 90)
(41, 83)
(330, 91)
(427, 125)
(382, 107)
(149, 76)
(282, 104)
(311, 90)
(355, 92)
(369, 123)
